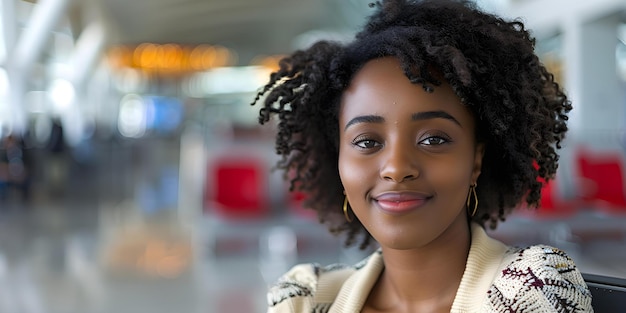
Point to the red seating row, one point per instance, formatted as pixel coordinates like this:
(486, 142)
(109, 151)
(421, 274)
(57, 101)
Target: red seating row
(239, 187)
(598, 185)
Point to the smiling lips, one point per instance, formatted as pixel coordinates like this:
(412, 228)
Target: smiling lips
(403, 202)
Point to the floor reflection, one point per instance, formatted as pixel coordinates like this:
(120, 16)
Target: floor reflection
(65, 257)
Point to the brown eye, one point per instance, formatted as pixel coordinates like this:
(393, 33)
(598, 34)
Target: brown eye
(434, 140)
(366, 144)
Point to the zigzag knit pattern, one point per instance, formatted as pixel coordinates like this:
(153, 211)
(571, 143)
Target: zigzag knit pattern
(538, 279)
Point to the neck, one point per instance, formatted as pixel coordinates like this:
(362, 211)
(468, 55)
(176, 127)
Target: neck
(427, 277)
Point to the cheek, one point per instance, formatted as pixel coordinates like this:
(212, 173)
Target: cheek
(357, 173)
(451, 177)
(351, 171)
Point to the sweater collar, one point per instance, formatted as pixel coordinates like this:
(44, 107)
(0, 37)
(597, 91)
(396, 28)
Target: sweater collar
(481, 268)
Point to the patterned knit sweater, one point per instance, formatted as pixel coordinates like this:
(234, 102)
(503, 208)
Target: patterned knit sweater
(497, 278)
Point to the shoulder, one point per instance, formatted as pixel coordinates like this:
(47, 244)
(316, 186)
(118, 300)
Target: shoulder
(309, 287)
(301, 282)
(538, 277)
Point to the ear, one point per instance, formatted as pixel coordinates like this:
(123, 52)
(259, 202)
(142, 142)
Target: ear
(479, 152)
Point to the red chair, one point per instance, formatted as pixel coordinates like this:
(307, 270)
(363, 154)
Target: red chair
(236, 188)
(236, 203)
(603, 177)
(552, 204)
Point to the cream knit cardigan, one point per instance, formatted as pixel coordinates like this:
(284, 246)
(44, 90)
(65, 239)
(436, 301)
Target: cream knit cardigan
(497, 278)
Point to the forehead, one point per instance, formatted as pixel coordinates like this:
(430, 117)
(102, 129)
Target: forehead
(381, 85)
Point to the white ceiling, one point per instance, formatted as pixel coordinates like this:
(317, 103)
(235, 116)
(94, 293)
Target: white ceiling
(251, 27)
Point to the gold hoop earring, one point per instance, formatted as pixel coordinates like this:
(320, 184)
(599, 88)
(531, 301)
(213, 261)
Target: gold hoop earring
(472, 194)
(345, 209)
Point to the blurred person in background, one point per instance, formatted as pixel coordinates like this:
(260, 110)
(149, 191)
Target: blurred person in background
(4, 172)
(437, 121)
(15, 167)
(56, 166)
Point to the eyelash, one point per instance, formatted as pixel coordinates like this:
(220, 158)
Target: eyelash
(361, 139)
(443, 139)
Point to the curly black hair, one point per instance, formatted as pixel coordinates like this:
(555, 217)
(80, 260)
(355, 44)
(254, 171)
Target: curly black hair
(490, 63)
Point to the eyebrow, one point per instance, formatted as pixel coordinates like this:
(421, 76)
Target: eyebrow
(365, 119)
(434, 114)
(420, 116)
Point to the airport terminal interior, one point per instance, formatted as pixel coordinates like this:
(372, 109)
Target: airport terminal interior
(134, 176)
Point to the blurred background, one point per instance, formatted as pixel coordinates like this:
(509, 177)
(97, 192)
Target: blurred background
(134, 176)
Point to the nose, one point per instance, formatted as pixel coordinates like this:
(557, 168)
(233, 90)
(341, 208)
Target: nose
(399, 163)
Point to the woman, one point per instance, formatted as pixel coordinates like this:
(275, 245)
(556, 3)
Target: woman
(435, 122)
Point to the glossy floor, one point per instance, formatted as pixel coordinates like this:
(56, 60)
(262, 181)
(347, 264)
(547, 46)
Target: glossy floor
(73, 257)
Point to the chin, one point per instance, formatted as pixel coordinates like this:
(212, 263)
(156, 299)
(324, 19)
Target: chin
(402, 243)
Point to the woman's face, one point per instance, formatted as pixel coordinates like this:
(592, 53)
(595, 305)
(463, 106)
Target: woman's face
(407, 158)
